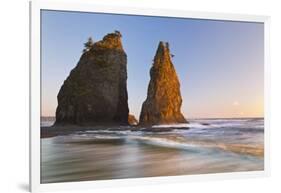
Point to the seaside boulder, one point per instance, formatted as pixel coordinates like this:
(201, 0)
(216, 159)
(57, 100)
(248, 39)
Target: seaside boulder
(163, 102)
(95, 92)
(132, 120)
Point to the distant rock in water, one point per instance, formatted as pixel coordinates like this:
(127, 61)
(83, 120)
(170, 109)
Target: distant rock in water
(163, 102)
(132, 120)
(95, 92)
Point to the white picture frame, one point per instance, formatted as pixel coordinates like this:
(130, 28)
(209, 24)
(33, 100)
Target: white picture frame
(36, 6)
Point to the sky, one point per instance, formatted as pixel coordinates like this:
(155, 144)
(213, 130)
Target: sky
(220, 64)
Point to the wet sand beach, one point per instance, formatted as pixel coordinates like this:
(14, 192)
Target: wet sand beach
(208, 146)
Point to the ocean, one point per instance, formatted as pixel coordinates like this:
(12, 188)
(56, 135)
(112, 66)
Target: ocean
(208, 146)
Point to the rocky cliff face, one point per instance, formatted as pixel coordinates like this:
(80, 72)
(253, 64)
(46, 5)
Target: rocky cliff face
(95, 92)
(163, 102)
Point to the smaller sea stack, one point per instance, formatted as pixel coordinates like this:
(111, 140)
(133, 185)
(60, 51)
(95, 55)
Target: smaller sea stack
(132, 120)
(163, 102)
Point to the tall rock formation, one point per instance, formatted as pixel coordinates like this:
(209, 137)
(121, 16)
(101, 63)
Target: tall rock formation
(95, 92)
(163, 102)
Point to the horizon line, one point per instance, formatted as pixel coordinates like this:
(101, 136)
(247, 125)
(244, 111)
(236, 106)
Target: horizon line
(250, 117)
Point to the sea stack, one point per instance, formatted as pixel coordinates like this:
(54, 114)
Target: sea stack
(163, 102)
(95, 92)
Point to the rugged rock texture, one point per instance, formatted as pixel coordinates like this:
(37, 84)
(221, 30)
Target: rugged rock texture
(163, 102)
(95, 92)
(132, 120)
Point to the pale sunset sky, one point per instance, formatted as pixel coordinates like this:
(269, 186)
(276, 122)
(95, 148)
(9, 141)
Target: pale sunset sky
(220, 64)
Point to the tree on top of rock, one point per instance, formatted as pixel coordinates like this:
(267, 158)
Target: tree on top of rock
(118, 33)
(88, 45)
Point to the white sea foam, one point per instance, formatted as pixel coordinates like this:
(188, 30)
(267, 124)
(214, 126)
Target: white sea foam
(106, 137)
(182, 125)
(171, 125)
(126, 132)
(163, 142)
(200, 125)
